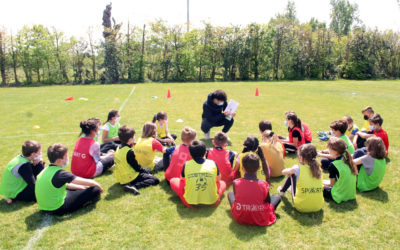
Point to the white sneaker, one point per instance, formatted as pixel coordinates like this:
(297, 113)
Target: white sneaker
(207, 135)
(279, 189)
(9, 201)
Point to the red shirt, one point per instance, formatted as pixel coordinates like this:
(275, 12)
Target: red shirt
(299, 143)
(221, 158)
(178, 159)
(250, 206)
(83, 164)
(156, 145)
(383, 135)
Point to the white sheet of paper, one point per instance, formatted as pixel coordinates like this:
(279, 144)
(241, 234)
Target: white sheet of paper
(232, 107)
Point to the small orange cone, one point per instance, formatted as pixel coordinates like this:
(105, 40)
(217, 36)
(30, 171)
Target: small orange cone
(169, 93)
(257, 94)
(71, 98)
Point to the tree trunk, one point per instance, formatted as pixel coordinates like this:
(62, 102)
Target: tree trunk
(2, 60)
(141, 66)
(14, 60)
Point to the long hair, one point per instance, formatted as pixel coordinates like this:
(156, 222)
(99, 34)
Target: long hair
(376, 147)
(309, 154)
(339, 146)
(251, 144)
(270, 135)
(159, 116)
(291, 115)
(149, 130)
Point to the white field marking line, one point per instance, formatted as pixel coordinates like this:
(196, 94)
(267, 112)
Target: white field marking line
(44, 225)
(126, 100)
(48, 220)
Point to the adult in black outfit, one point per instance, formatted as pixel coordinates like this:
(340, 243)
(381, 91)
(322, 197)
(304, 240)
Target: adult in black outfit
(214, 115)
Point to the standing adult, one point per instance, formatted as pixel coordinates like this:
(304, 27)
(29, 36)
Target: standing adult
(214, 115)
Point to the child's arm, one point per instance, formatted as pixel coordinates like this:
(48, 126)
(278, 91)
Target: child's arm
(357, 161)
(87, 182)
(332, 182)
(157, 146)
(72, 186)
(288, 171)
(364, 135)
(324, 155)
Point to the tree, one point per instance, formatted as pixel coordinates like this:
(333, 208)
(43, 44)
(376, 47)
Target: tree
(343, 16)
(3, 58)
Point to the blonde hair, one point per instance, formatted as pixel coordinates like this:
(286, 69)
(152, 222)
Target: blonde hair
(188, 134)
(149, 130)
(270, 135)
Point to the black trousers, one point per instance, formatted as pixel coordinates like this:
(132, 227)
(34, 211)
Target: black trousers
(111, 145)
(144, 180)
(206, 125)
(288, 183)
(328, 193)
(28, 194)
(174, 136)
(107, 162)
(77, 199)
(275, 199)
(290, 148)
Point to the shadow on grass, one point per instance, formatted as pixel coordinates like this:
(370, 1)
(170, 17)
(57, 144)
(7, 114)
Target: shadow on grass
(40, 219)
(166, 187)
(209, 144)
(305, 219)
(377, 194)
(276, 179)
(245, 232)
(344, 206)
(15, 206)
(291, 155)
(115, 192)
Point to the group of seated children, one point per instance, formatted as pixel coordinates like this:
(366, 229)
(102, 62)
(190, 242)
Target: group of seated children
(200, 176)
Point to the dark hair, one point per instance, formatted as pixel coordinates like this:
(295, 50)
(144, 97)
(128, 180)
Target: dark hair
(56, 151)
(188, 134)
(376, 119)
(338, 145)
(197, 149)
(251, 163)
(29, 147)
(368, 109)
(219, 95)
(111, 115)
(265, 125)
(149, 130)
(97, 120)
(88, 126)
(125, 133)
(159, 116)
(349, 119)
(220, 139)
(251, 144)
(340, 125)
(376, 147)
(309, 154)
(291, 115)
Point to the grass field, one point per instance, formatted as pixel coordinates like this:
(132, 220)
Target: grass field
(157, 218)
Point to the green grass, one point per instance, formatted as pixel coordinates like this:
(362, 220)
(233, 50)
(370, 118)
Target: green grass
(157, 218)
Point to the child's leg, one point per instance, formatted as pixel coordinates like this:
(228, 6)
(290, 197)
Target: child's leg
(107, 162)
(275, 200)
(178, 185)
(328, 193)
(290, 148)
(360, 152)
(76, 199)
(231, 198)
(144, 180)
(159, 165)
(28, 194)
(221, 186)
(288, 183)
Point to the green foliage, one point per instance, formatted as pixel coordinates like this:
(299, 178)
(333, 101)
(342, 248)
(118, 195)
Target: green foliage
(343, 16)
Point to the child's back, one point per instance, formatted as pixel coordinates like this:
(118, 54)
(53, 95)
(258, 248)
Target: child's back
(239, 159)
(273, 154)
(222, 158)
(123, 172)
(344, 189)
(178, 159)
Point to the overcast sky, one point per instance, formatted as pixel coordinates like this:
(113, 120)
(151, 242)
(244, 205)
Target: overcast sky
(73, 17)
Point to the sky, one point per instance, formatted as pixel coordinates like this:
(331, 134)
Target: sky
(74, 17)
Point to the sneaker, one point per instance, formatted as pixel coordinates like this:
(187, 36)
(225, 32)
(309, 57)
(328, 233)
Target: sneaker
(9, 201)
(207, 135)
(321, 133)
(324, 138)
(131, 189)
(282, 194)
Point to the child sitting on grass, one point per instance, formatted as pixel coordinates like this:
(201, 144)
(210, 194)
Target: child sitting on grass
(200, 182)
(180, 155)
(60, 192)
(307, 188)
(352, 128)
(163, 135)
(375, 125)
(273, 153)
(146, 147)
(251, 145)
(338, 129)
(372, 166)
(110, 140)
(222, 157)
(296, 134)
(341, 185)
(127, 170)
(19, 176)
(266, 125)
(250, 200)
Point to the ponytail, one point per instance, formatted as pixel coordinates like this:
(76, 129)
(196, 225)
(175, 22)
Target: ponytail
(87, 127)
(270, 135)
(298, 124)
(154, 118)
(263, 163)
(309, 154)
(349, 161)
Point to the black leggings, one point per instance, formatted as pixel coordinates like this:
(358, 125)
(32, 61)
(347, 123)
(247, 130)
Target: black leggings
(107, 162)
(290, 148)
(76, 199)
(328, 193)
(144, 180)
(174, 136)
(111, 145)
(28, 194)
(274, 201)
(288, 183)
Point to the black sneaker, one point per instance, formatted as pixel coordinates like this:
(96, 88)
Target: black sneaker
(131, 189)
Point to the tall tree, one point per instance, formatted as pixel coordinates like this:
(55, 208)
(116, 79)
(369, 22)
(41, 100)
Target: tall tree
(343, 16)
(3, 58)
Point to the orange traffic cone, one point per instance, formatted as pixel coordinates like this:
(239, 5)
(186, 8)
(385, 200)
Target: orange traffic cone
(169, 94)
(71, 98)
(257, 94)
